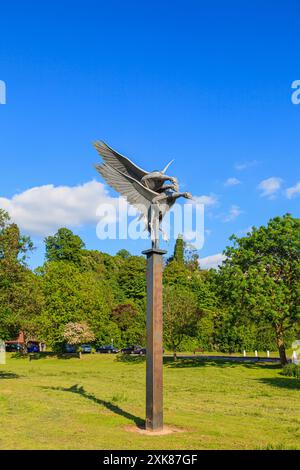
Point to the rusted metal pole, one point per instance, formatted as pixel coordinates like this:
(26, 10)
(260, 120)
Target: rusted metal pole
(154, 359)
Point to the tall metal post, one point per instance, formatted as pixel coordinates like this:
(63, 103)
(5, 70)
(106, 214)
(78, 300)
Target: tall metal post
(154, 358)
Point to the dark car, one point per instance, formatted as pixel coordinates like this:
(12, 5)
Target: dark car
(70, 348)
(33, 347)
(107, 350)
(86, 349)
(14, 347)
(135, 349)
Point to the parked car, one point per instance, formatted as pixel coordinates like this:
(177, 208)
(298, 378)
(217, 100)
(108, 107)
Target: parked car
(86, 349)
(107, 349)
(135, 349)
(33, 347)
(14, 347)
(70, 348)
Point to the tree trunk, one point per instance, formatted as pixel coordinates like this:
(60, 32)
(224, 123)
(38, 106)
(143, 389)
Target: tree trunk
(280, 345)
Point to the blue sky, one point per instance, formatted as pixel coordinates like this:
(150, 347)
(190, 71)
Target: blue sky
(206, 83)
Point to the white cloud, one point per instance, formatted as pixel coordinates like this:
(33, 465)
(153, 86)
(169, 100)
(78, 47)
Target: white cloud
(213, 261)
(211, 200)
(234, 212)
(232, 182)
(293, 191)
(43, 209)
(245, 165)
(269, 187)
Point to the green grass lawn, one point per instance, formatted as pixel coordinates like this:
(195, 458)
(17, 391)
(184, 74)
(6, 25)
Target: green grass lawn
(88, 403)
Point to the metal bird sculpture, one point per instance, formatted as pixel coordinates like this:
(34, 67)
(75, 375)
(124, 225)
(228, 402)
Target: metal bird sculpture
(151, 204)
(153, 180)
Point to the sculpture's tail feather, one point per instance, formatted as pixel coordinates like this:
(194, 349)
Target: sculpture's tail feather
(166, 167)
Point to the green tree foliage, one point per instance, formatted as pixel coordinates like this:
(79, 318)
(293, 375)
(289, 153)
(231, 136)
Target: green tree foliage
(73, 296)
(191, 258)
(131, 322)
(20, 297)
(106, 267)
(201, 284)
(181, 316)
(179, 250)
(185, 254)
(123, 254)
(132, 278)
(176, 273)
(260, 279)
(210, 310)
(64, 246)
(14, 246)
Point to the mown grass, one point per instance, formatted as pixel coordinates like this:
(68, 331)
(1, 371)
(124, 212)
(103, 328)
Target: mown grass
(88, 403)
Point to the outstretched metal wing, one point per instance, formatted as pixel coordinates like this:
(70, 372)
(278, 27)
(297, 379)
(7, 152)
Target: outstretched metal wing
(136, 193)
(118, 162)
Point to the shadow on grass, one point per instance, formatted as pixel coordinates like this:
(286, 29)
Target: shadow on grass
(18, 355)
(199, 362)
(79, 390)
(8, 375)
(204, 362)
(53, 354)
(289, 383)
(130, 359)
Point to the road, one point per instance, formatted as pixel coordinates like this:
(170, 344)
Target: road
(228, 358)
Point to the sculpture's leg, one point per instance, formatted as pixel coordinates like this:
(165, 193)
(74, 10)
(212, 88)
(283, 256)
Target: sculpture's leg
(154, 366)
(164, 235)
(154, 225)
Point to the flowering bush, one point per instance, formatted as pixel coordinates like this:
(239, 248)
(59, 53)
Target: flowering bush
(78, 333)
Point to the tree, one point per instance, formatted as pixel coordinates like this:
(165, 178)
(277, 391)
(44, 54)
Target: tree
(179, 250)
(78, 333)
(132, 278)
(210, 310)
(64, 246)
(181, 316)
(20, 299)
(73, 296)
(124, 315)
(106, 267)
(176, 273)
(123, 254)
(14, 247)
(185, 254)
(192, 258)
(21, 305)
(260, 278)
(131, 322)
